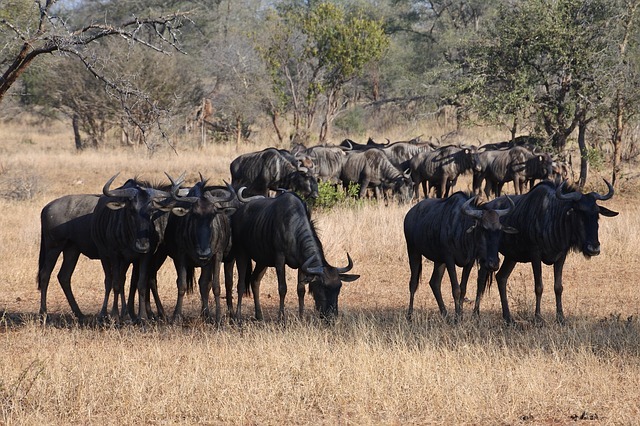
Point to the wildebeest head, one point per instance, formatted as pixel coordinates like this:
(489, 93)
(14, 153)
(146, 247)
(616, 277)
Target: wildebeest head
(585, 211)
(487, 231)
(198, 210)
(325, 282)
(303, 183)
(403, 187)
(142, 205)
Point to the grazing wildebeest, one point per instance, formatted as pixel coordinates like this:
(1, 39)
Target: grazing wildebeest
(441, 168)
(198, 234)
(268, 170)
(127, 226)
(516, 164)
(274, 232)
(372, 168)
(65, 228)
(451, 232)
(552, 220)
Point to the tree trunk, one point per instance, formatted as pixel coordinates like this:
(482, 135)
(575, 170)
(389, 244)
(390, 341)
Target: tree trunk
(584, 159)
(238, 132)
(617, 140)
(76, 131)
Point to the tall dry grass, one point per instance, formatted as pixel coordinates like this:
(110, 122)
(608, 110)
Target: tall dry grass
(371, 367)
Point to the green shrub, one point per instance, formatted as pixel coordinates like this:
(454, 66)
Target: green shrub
(330, 195)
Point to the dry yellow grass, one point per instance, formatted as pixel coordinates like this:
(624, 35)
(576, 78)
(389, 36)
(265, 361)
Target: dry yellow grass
(371, 367)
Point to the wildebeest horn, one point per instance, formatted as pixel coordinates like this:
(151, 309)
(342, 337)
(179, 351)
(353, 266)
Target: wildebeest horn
(318, 270)
(469, 210)
(503, 212)
(125, 193)
(572, 196)
(347, 268)
(246, 200)
(221, 199)
(604, 197)
(175, 187)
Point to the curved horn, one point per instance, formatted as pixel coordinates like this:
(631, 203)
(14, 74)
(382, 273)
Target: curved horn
(503, 212)
(347, 268)
(318, 270)
(469, 210)
(246, 200)
(604, 197)
(175, 187)
(572, 196)
(126, 192)
(223, 198)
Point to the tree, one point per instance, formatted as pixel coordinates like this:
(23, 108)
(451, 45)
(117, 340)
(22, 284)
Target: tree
(42, 29)
(312, 52)
(541, 61)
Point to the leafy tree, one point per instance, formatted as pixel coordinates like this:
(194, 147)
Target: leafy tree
(541, 61)
(313, 51)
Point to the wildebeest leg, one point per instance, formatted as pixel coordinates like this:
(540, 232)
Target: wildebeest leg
(256, 278)
(364, 184)
(435, 282)
(488, 187)
(205, 284)
(143, 288)
(536, 265)
(498, 188)
(228, 284)
(181, 284)
(557, 288)
(425, 189)
(69, 262)
(133, 289)
(301, 292)
(501, 277)
(282, 285)
(466, 271)
(455, 287)
(243, 264)
(483, 273)
(153, 287)
(108, 286)
(119, 278)
(415, 265)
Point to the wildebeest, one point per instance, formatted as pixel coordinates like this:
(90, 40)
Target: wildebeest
(441, 168)
(127, 226)
(268, 170)
(198, 234)
(451, 232)
(372, 168)
(350, 145)
(274, 232)
(65, 228)
(328, 161)
(516, 164)
(552, 220)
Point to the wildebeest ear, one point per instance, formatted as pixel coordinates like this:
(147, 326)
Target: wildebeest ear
(348, 277)
(228, 210)
(606, 212)
(179, 211)
(509, 230)
(115, 205)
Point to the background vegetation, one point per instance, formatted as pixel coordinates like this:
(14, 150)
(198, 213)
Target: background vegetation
(152, 72)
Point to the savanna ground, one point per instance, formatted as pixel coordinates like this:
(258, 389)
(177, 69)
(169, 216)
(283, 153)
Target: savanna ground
(371, 367)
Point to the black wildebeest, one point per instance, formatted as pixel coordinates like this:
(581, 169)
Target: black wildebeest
(451, 232)
(372, 168)
(198, 234)
(127, 226)
(65, 228)
(552, 221)
(268, 170)
(440, 168)
(274, 232)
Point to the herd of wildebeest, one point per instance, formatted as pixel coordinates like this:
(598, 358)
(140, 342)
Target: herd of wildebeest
(262, 220)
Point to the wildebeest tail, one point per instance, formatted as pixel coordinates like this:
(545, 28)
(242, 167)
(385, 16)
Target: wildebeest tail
(247, 285)
(41, 256)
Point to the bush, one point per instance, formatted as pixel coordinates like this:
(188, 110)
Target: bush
(330, 195)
